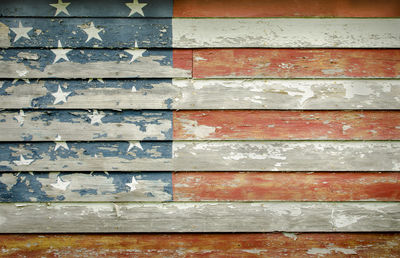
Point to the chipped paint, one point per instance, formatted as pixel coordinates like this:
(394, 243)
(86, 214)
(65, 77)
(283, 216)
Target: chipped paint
(330, 250)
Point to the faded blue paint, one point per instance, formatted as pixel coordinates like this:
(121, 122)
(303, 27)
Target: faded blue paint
(116, 33)
(87, 8)
(28, 188)
(44, 57)
(39, 150)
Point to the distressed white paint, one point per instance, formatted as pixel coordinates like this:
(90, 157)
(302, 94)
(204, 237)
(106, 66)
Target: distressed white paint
(286, 33)
(286, 155)
(330, 250)
(286, 94)
(193, 217)
(194, 130)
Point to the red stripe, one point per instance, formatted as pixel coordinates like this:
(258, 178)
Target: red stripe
(296, 63)
(276, 186)
(286, 8)
(200, 245)
(287, 125)
(182, 58)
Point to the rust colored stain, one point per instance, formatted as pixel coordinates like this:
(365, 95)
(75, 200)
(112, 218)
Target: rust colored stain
(286, 125)
(276, 186)
(296, 63)
(200, 245)
(182, 58)
(286, 8)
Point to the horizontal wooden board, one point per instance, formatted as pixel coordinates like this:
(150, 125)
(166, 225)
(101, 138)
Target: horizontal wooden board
(92, 125)
(88, 63)
(296, 63)
(201, 94)
(85, 32)
(373, 245)
(86, 156)
(199, 217)
(266, 186)
(286, 8)
(286, 33)
(285, 125)
(286, 156)
(87, 8)
(89, 93)
(85, 187)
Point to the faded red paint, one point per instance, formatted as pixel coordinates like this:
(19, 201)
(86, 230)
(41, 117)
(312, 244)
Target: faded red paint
(182, 58)
(286, 8)
(296, 63)
(276, 186)
(199, 245)
(287, 125)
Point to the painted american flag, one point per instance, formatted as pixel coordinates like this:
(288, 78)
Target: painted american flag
(211, 117)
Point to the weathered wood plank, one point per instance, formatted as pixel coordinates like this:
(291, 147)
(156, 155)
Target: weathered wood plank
(199, 217)
(286, 125)
(286, 33)
(86, 156)
(286, 156)
(88, 63)
(85, 187)
(266, 186)
(286, 8)
(201, 94)
(85, 32)
(296, 63)
(88, 94)
(89, 125)
(87, 8)
(373, 245)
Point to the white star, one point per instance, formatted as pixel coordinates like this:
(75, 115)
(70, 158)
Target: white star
(135, 7)
(96, 118)
(135, 53)
(22, 161)
(61, 185)
(99, 79)
(61, 7)
(134, 144)
(22, 73)
(92, 32)
(132, 185)
(60, 96)
(61, 144)
(21, 32)
(25, 80)
(20, 118)
(60, 53)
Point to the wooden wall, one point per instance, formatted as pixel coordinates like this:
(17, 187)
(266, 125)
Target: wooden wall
(192, 128)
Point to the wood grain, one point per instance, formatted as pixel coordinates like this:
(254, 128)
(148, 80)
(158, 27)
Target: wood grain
(285, 33)
(87, 8)
(286, 125)
(92, 125)
(85, 187)
(86, 156)
(296, 63)
(109, 33)
(299, 94)
(286, 8)
(266, 186)
(199, 217)
(374, 245)
(286, 155)
(88, 63)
